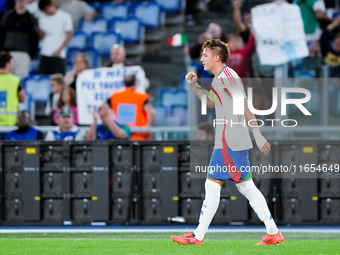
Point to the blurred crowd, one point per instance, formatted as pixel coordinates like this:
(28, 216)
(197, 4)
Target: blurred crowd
(321, 20)
(62, 107)
(46, 26)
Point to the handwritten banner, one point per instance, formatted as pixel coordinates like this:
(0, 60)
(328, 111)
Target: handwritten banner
(279, 33)
(95, 86)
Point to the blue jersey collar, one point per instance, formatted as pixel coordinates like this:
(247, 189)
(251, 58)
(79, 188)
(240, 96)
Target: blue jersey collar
(221, 70)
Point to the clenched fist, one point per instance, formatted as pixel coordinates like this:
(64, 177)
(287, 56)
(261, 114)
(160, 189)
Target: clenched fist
(191, 78)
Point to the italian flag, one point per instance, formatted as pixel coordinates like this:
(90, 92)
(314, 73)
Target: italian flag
(178, 40)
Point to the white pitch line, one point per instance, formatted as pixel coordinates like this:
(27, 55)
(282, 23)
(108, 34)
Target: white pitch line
(172, 230)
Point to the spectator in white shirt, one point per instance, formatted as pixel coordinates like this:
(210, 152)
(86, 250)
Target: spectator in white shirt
(57, 27)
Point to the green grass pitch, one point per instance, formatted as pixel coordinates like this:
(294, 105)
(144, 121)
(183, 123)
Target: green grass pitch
(153, 243)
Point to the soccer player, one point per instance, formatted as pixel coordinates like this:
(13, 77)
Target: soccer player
(232, 143)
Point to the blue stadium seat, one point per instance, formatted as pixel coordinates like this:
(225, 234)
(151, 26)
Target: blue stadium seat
(149, 13)
(27, 104)
(129, 29)
(180, 97)
(39, 87)
(69, 66)
(90, 52)
(165, 97)
(104, 42)
(99, 25)
(161, 114)
(180, 112)
(305, 74)
(34, 69)
(110, 10)
(78, 40)
(170, 6)
(169, 97)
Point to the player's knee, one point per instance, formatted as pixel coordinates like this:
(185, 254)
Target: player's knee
(244, 186)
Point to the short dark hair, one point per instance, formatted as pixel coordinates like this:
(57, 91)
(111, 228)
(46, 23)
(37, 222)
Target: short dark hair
(44, 3)
(219, 48)
(5, 58)
(129, 80)
(207, 127)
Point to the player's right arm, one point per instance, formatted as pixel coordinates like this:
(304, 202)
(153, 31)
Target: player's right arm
(191, 79)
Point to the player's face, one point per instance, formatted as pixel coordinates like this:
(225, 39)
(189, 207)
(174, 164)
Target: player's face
(207, 59)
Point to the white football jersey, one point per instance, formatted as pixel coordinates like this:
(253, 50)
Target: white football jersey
(233, 130)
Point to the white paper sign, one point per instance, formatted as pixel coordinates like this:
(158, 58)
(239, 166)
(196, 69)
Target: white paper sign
(279, 33)
(95, 86)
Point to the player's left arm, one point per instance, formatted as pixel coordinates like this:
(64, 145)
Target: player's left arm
(261, 142)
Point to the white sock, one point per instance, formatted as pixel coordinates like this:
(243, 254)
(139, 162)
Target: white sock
(209, 208)
(259, 205)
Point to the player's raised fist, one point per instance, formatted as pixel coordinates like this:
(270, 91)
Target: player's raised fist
(191, 78)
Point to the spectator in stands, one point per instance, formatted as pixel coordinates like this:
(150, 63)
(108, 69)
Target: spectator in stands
(330, 48)
(78, 10)
(109, 129)
(118, 60)
(33, 7)
(239, 54)
(314, 60)
(242, 26)
(133, 108)
(81, 63)
(313, 12)
(118, 57)
(213, 31)
(11, 91)
(19, 34)
(57, 26)
(57, 85)
(205, 131)
(68, 99)
(25, 131)
(66, 130)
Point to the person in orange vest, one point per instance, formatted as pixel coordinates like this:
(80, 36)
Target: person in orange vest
(132, 108)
